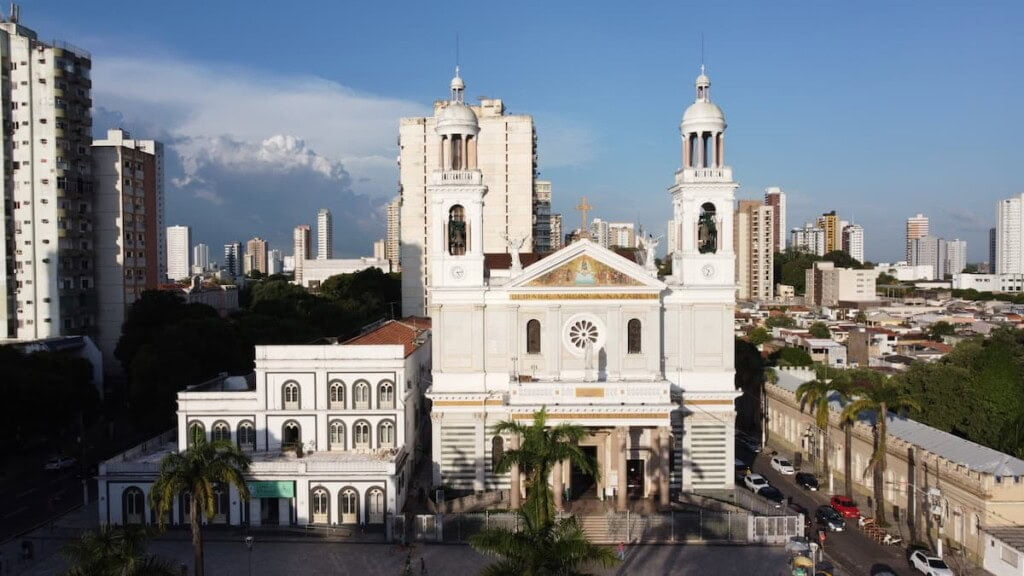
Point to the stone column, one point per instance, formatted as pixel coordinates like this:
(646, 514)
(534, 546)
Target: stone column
(556, 477)
(702, 144)
(621, 441)
(567, 476)
(480, 435)
(435, 445)
(686, 151)
(515, 490)
(663, 465)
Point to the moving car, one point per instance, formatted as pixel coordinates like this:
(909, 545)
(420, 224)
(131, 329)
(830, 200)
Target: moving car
(59, 463)
(807, 480)
(772, 494)
(782, 465)
(749, 443)
(830, 519)
(755, 482)
(845, 506)
(930, 565)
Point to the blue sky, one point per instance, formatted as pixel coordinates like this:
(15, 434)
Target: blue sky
(878, 110)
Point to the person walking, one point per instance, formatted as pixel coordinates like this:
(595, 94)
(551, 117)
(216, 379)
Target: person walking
(423, 567)
(621, 549)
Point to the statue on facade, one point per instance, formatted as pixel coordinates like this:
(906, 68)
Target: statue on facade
(650, 246)
(515, 244)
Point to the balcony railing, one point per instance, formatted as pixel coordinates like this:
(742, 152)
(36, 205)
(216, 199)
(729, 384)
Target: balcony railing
(473, 177)
(623, 392)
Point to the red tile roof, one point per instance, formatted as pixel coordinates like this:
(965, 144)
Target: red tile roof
(503, 260)
(403, 332)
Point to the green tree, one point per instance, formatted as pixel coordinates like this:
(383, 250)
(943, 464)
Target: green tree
(816, 394)
(939, 329)
(884, 279)
(790, 357)
(819, 330)
(750, 376)
(113, 551)
(197, 471)
(758, 336)
(842, 259)
(884, 394)
(780, 321)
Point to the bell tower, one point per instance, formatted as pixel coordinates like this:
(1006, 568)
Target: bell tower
(702, 197)
(456, 194)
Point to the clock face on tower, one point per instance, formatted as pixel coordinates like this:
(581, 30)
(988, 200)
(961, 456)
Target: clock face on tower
(458, 272)
(708, 271)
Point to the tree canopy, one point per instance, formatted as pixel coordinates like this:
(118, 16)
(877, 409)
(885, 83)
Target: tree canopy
(791, 264)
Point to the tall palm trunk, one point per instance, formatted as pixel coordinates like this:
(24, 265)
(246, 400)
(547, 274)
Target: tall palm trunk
(827, 452)
(197, 536)
(880, 463)
(848, 458)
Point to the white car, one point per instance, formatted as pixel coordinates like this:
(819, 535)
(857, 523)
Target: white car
(755, 482)
(59, 463)
(782, 465)
(930, 565)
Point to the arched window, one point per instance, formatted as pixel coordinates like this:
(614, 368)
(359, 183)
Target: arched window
(320, 502)
(386, 434)
(290, 395)
(633, 337)
(337, 436)
(291, 435)
(361, 395)
(707, 229)
(361, 435)
(196, 433)
(246, 436)
(349, 506)
(134, 506)
(497, 451)
(386, 393)
(457, 237)
(220, 431)
(533, 337)
(375, 506)
(975, 524)
(337, 395)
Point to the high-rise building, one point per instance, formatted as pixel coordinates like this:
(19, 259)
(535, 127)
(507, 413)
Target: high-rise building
(917, 227)
(621, 234)
(810, 239)
(379, 249)
(776, 198)
(956, 256)
(853, 241)
(600, 233)
(179, 252)
(300, 250)
(1010, 236)
(829, 223)
(753, 231)
(233, 259)
(324, 235)
(128, 230)
(256, 256)
(275, 262)
(542, 216)
(200, 258)
(394, 233)
(504, 150)
(48, 282)
(929, 251)
(992, 264)
(556, 232)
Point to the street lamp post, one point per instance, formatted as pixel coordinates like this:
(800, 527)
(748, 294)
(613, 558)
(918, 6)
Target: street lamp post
(249, 541)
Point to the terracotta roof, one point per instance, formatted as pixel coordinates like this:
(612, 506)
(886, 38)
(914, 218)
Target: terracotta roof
(503, 260)
(634, 255)
(403, 332)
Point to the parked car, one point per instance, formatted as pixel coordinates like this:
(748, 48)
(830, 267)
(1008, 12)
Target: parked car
(755, 482)
(845, 506)
(59, 463)
(773, 495)
(830, 519)
(798, 545)
(782, 465)
(749, 443)
(928, 564)
(807, 480)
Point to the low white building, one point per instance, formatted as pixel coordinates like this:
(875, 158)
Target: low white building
(315, 272)
(1004, 550)
(905, 272)
(989, 282)
(331, 431)
(827, 285)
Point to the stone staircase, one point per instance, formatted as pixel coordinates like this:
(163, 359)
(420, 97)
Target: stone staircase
(595, 527)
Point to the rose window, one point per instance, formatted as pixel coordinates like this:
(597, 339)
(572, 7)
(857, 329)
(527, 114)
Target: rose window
(583, 332)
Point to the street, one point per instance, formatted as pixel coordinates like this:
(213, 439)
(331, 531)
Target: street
(37, 496)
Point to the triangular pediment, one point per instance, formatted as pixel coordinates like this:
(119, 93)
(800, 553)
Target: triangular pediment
(585, 265)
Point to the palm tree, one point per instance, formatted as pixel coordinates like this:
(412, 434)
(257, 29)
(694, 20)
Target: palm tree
(113, 551)
(815, 393)
(541, 447)
(846, 389)
(883, 395)
(197, 471)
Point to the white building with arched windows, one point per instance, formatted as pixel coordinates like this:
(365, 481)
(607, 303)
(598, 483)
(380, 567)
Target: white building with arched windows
(331, 430)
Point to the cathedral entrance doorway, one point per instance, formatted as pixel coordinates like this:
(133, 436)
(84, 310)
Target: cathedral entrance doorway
(582, 483)
(635, 478)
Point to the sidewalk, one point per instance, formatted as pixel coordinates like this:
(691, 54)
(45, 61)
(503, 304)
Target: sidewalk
(46, 541)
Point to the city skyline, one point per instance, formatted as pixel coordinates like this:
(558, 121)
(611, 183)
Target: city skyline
(816, 104)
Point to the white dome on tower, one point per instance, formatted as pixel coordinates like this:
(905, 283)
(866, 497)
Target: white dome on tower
(703, 115)
(455, 117)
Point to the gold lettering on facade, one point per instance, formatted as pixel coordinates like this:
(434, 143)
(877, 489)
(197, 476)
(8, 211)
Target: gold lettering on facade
(590, 392)
(582, 296)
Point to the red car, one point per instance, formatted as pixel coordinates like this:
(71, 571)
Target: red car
(845, 506)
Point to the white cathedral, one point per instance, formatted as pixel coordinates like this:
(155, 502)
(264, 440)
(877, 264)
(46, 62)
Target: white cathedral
(644, 363)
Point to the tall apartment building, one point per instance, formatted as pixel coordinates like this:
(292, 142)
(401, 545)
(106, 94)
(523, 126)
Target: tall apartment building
(394, 233)
(542, 216)
(754, 239)
(324, 235)
(831, 286)
(810, 239)
(233, 259)
(300, 250)
(556, 232)
(992, 264)
(200, 258)
(505, 153)
(622, 234)
(829, 223)
(128, 220)
(47, 213)
(853, 241)
(179, 248)
(275, 262)
(776, 198)
(956, 256)
(929, 251)
(1010, 236)
(256, 256)
(917, 227)
(600, 233)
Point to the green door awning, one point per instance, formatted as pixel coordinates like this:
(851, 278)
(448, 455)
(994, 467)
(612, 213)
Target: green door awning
(275, 489)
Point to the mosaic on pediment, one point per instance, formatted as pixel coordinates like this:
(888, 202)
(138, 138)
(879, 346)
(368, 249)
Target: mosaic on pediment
(584, 271)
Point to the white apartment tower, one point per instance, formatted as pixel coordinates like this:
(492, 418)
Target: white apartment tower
(200, 258)
(542, 216)
(324, 235)
(853, 241)
(47, 213)
(776, 198)
(600, 233)
(810, 239)
(179, 246)
(505, 149)
(556, 232)
(392, 240)
(956, 256)
(917, 227)
(300, 250)
(129, 230)
(755, 246)
(1009, 234)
